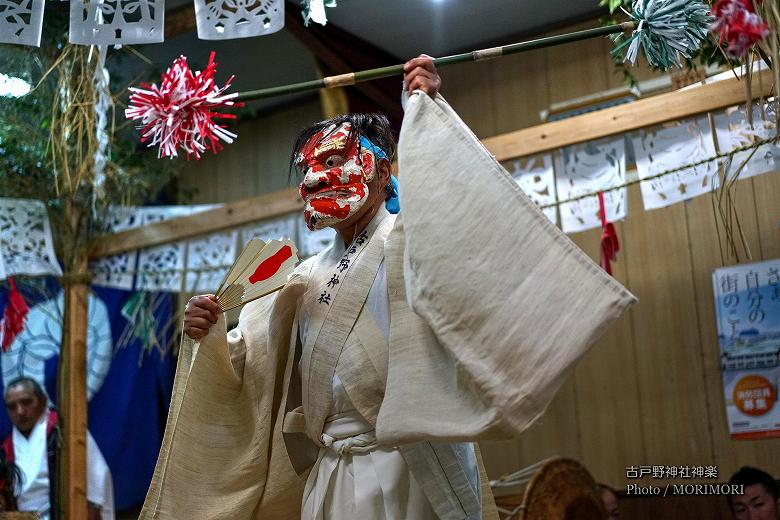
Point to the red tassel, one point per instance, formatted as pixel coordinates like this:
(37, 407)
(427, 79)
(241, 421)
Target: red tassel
(610, 245)
(15, 312)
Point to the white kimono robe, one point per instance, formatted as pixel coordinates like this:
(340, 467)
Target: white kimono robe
(353, 475)
(489, 307)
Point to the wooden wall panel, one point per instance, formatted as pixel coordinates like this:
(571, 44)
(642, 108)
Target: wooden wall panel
(767, 199)
(576, 69)
(666, 338)
(470, 87)
(256, 163)
(608, 400)
(520, 90)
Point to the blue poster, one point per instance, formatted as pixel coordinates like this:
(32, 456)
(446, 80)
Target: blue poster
(747, 303)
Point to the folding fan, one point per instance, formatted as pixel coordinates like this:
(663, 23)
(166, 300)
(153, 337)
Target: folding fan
(259, 270)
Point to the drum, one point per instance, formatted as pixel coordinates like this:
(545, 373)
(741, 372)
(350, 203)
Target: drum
(561, 489)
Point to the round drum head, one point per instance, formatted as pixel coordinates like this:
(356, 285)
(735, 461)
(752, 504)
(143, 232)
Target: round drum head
(562, 489)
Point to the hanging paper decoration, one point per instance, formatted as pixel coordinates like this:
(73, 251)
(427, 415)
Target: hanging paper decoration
(208, 259)
(25, 238)
(225, 19)
(13, 318)
(181, 112)
(737, 24)
(590, 168)
(610, 245)
(21, 22)
(270, 229)
(160, 268)
(314, 11)
(116, 22)
(312, 242)
(734, 131)
(117, 271)
(535, 177)
(668, 147)
(103, 111)
(666, 30)
(42, 336)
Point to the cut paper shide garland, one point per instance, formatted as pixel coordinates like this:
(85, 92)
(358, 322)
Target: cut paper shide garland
(180, 114)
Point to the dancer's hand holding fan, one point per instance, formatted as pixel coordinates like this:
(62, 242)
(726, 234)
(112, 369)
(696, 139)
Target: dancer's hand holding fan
(260, 269)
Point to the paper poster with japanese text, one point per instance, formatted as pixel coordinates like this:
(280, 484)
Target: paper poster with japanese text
(747, 303)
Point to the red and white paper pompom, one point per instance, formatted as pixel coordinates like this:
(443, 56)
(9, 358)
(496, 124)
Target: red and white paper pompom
(738, 25)
(180, 113)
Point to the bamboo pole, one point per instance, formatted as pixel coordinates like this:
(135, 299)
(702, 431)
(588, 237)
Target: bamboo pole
(72, 384)
(351, 78)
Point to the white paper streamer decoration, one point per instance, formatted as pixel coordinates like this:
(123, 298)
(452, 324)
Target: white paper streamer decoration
(590, 168)
(42, 336)
(226, 19)
(535, 177)
(734, 132)
(314, 11)
(25, 238)
(312, 242)
(21, 21)
(102, 113)
(116, 22)
(283, 227)
(208, 259)
(117, 271)
(671, 146)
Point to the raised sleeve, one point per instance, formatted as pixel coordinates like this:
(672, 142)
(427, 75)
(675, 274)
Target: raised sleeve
(509, 303)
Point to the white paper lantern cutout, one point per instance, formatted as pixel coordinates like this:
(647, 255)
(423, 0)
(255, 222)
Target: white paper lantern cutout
(667, 147)
(21, 21)
(26, 242)
(226, 19)
(535, 177)
(589, 168)
(116, 22)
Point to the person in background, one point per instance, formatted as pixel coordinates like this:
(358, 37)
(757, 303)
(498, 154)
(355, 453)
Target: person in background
(10, 478)
(610, 500)
(32, 446)
(761, 497)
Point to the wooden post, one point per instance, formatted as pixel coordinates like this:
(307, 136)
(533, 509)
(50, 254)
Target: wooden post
(73, 394)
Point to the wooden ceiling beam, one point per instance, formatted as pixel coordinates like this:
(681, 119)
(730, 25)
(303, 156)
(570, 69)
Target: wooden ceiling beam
(228, 216)
(621, 119)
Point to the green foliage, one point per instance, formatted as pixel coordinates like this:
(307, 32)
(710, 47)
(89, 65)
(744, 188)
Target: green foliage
(614, 5)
